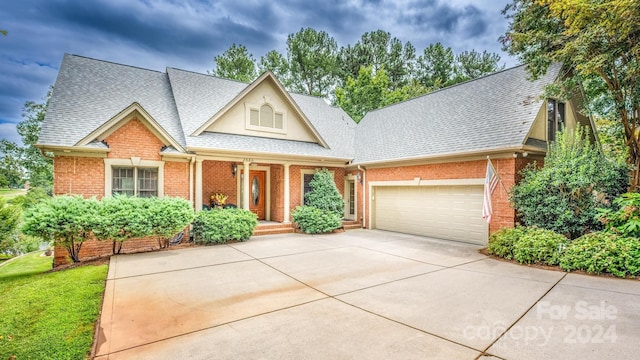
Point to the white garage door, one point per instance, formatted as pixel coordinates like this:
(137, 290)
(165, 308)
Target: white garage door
(445, 212)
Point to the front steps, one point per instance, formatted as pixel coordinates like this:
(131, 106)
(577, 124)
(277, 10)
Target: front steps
(273, 228)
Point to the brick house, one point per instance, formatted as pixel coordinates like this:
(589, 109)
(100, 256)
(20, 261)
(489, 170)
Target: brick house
(416, 167)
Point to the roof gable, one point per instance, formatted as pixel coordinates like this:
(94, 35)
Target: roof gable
(255, 89)
(122, 118)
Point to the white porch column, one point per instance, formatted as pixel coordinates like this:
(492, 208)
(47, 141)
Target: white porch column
(198, 199)
(286, 193)
(245, 184)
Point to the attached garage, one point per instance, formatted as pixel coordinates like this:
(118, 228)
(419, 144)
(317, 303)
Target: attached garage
(451, 212)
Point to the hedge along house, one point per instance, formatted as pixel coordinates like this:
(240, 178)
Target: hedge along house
(416, 167)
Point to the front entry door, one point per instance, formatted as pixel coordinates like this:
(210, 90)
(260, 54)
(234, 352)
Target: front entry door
(257, 193)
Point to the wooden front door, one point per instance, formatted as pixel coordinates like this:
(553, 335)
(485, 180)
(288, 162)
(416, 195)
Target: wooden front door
(257, 193)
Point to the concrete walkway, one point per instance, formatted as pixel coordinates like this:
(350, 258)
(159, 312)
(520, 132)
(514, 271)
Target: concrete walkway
(358, 295)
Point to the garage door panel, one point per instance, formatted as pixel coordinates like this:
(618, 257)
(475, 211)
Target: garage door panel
(447, 212)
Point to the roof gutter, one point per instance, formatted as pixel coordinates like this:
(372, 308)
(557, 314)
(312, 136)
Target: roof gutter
(451, 155)
(267, 156)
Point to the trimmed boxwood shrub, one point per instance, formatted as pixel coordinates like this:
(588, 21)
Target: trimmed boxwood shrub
(603, 252)
(218, 226)
(312, 220)
(528, 245)
(539, 246)
(501, 242)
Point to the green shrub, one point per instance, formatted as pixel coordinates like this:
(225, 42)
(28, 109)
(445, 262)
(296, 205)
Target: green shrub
(66, 220)
(625, 218)
(33, 196)
(539, 246)
(312, 220)
(564, 195)
(502, 242)
(167, 217)
(121, 218)
(528, 245)
(218, 226)
(603, 252)
(324, 194)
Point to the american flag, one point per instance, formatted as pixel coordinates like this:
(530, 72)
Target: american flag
(490, 183)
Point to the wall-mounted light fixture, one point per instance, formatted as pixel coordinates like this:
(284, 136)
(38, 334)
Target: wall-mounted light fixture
(234, 169)
(359, 177)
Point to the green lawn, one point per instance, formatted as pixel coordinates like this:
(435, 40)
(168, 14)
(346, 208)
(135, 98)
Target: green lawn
(48, 315)
(9, 194)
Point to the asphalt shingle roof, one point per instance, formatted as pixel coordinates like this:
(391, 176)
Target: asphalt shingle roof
(89, 92)
(495, 111)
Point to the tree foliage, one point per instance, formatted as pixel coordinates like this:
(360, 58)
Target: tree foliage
(122, 218)
(236, 63)
(376, 71)
(67, 221)
(595, 39)
(565, 194)
(167, 217)
(9, 218)
(17, 161)
(324, 194)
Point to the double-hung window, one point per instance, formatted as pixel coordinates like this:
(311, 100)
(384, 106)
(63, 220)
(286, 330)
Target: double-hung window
(138, 181)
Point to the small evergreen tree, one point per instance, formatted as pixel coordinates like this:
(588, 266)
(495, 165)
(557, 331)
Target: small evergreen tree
(324, 194)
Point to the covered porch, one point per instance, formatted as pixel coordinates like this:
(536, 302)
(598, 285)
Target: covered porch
(272, 189)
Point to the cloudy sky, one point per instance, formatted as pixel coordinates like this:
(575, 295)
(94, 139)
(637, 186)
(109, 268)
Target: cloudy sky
(187, 34)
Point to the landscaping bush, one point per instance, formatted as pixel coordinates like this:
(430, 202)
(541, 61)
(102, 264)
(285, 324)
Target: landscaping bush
(167, 217)
(564, 195)
(324, 194)
(624, 218)
(527, 245)
(603, 252)
(34, 196)
(502, 242)
(121, 218)
(312, 220)
(218, 226)
(66, 220)
(539, 246)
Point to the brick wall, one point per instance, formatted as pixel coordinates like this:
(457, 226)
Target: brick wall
(277, 193)
(176, 179)
(78, 175)
(134, 139)
(503, 213)
(217, 178)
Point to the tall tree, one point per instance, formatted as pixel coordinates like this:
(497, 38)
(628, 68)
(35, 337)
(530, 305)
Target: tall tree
(379, 50)
(278, 65)
(371, 90)
(436, 66)
(594, 38)
(20, 160)
(236, 63)
(472, 64)
(311, 55)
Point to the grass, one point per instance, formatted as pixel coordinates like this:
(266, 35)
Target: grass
(9, 194)
(48, 315)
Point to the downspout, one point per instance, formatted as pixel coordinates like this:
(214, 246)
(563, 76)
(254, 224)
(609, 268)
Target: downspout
(364, 195)
(191, 195)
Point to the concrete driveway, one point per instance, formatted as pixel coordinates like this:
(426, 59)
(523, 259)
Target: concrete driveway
(361, 294)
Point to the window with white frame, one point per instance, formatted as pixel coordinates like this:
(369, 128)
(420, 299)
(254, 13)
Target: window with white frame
(265, 118)
(142, 182)
(134, 177)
